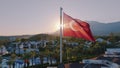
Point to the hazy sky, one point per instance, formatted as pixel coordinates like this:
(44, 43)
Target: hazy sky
(41, 16)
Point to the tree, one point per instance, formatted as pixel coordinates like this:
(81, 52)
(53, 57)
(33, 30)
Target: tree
(32, 55)
(12, 61)
(13, 58)
(1, 46)
(41, 54)
(112, 37)
(9, 63)
(26, 57)
(0, 61)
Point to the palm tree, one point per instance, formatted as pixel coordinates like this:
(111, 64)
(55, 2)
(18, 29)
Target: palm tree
(32, 54)
(26, 57)
(41, 54)
(68, 54)
(19, 48)
(0, 61)
(13, 58)
(10, 63)
(47, 53)
(1, 48)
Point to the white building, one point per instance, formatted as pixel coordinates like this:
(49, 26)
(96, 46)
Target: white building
(3, 50)
(112, 52)
(103, 62)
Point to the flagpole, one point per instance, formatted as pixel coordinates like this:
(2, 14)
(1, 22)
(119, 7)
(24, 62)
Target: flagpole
(61, 34)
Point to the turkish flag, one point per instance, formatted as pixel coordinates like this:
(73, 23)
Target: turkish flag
(76, 28)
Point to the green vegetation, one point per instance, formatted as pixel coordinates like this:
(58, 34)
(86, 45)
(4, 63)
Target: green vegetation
(77, 53)
(71, 52)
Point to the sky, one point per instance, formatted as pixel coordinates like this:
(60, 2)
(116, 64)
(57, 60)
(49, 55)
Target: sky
(21, 17)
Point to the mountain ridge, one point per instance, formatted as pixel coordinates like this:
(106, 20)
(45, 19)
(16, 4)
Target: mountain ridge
(104, 28)
(97, 28)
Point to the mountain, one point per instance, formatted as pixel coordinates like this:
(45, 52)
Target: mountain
(29, 37)
(104, 28)
(99, 28)
(42, 36)
(15, 37)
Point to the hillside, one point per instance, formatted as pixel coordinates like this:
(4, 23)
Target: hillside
(104, 28)
(42, 36)
(14, 37)
(97, 28)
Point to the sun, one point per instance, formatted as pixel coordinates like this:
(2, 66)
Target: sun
(57, 26)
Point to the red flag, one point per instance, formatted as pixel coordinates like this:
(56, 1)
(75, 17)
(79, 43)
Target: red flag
(76, 28)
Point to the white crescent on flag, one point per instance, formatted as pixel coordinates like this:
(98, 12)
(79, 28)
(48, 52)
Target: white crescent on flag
(71, 25)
